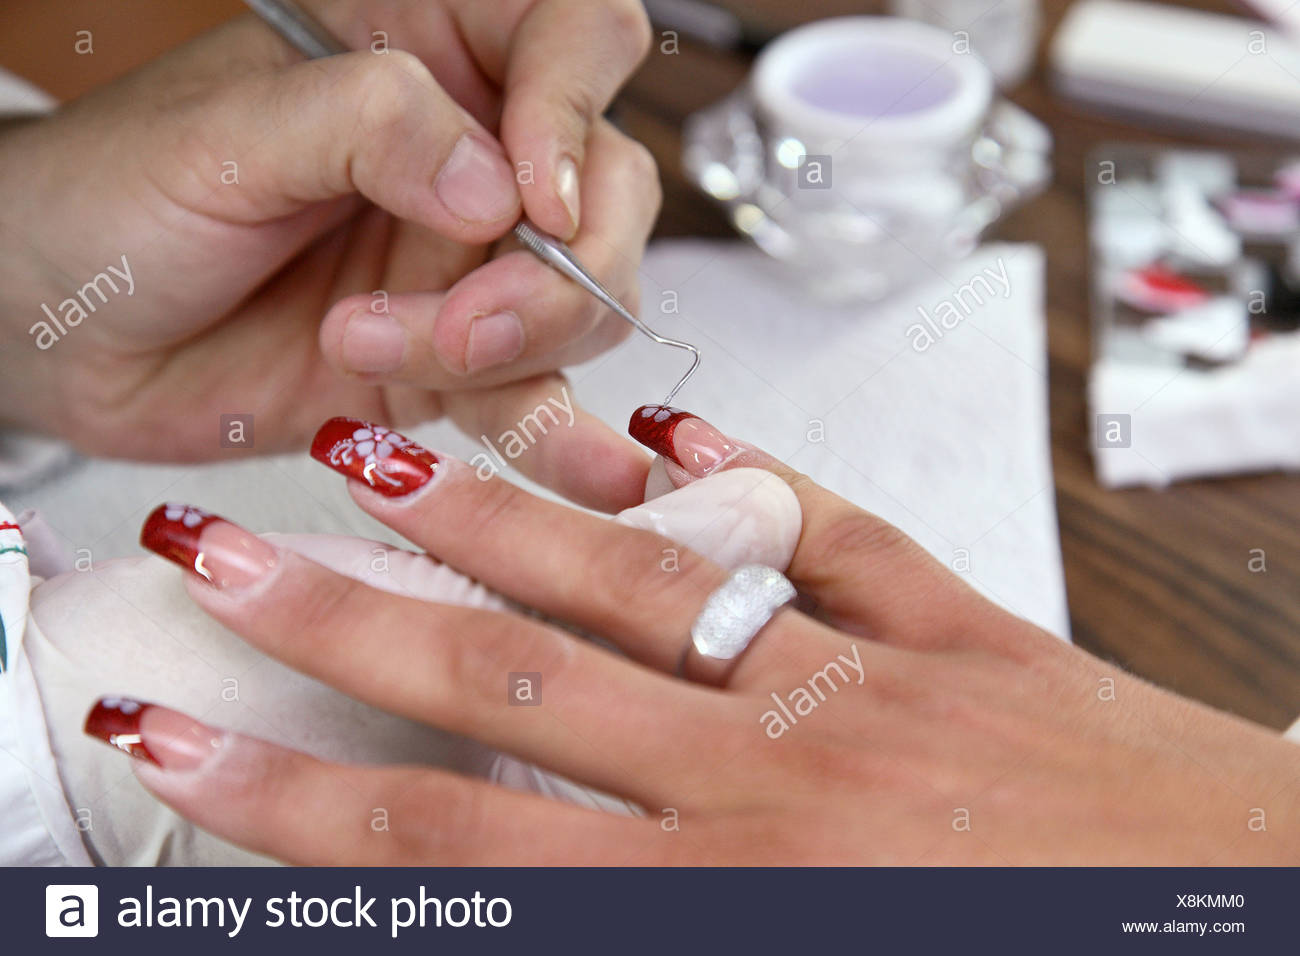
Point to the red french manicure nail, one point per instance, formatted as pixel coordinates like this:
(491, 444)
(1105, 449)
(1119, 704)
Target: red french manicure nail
(682, 437)
(218, 551)
(390, 463)
(116, 721)
(174, 741)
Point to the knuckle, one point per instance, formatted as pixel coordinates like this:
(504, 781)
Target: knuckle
(667, 574)
(390, 89)
(836, 764)
(866, 535)
(326, 601)
(498, 508)
(908, 686)
(1030, 647)
(631, 25)
(453, 678)
(800, 483)
(642, 161)
(403, 66)
(473, 668)
(576, 107)
(435, 818)
(644, 173)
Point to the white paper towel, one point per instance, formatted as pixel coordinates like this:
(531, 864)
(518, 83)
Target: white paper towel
(1177, 422)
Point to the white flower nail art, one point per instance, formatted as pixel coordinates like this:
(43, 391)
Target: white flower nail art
(186, 515)
(374, 445)
(122, 704)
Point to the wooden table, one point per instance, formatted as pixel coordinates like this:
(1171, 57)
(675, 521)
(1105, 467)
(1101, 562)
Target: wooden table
(1158, 581)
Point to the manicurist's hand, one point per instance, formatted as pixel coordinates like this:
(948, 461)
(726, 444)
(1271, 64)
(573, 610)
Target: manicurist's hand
(233, 230)
(897, 718)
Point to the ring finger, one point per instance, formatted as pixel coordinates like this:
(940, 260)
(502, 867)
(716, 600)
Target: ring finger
(462, 669)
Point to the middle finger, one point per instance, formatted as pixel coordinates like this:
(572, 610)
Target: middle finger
(638, 589)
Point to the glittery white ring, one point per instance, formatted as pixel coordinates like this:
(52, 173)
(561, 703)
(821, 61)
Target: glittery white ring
(738, 609)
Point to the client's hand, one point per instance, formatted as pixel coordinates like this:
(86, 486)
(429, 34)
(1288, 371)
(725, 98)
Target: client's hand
(232, 230)
(900, 718)
(148, 642)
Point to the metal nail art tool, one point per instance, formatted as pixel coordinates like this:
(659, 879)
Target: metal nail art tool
(310, 37)
(560, 257)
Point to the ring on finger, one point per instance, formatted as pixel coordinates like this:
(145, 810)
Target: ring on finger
(732, 616)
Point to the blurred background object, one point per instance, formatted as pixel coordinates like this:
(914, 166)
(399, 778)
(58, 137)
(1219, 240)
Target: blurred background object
(1196, 587)
(1179, 66)
(1196, 328)
(863, 153)
(1004, 34)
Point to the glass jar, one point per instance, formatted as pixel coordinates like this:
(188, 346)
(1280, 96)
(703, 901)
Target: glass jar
(864, 152)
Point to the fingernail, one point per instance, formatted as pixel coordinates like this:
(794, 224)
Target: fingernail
(373, 343)
(390, 463)
(566, 187)
(221, 553)
(149, 732)
(691, 442)
(477, 183)
(493, 340)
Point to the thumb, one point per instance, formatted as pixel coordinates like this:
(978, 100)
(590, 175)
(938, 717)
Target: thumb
(361, 123)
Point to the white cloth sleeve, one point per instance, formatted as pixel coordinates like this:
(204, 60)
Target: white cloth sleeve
(38, 828)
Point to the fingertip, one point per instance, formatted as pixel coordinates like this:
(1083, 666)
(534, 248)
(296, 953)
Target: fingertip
(551, 168)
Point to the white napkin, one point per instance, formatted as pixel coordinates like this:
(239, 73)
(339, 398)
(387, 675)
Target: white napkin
(1187, 423)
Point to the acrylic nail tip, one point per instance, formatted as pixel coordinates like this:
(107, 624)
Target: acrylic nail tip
(682, 438)
(387, 461)
(116, 721)
(653, 426)
(172, 530)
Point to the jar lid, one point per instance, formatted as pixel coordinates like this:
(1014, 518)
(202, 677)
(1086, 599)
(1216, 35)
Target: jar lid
(871, 81)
